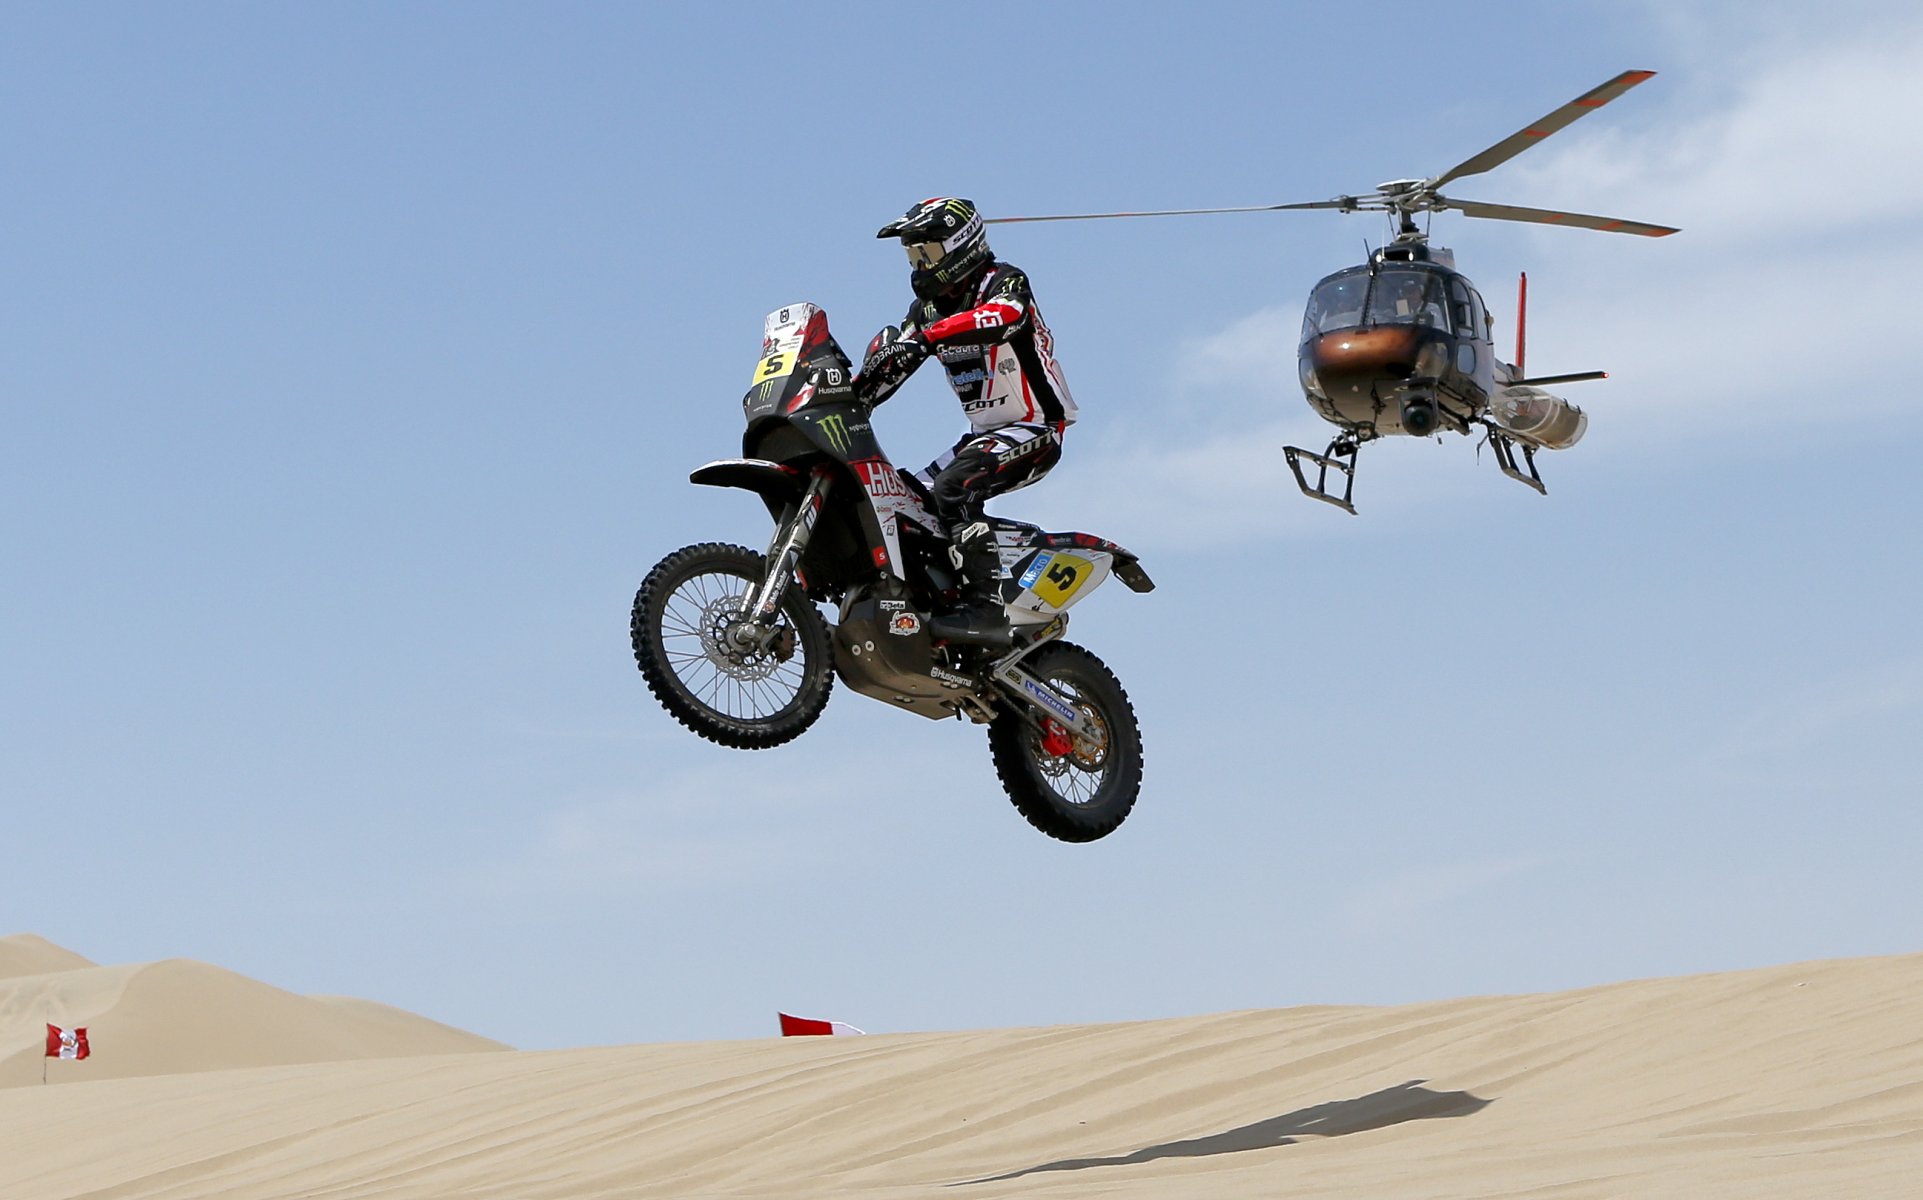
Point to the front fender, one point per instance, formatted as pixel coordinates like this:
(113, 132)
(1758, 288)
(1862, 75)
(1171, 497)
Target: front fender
(777, 484)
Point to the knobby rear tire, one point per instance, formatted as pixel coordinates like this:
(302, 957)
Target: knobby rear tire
(665, 643)
(1061, 796)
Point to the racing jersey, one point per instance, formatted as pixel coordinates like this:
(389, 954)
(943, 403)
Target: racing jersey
(999, 356)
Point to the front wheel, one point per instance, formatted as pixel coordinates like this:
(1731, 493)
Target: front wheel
(1068, 788)
(729, 679)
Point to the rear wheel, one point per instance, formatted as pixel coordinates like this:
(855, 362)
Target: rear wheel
(1069, 788)
(730, 680)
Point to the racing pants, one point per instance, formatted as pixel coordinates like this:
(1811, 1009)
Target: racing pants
(987, 464)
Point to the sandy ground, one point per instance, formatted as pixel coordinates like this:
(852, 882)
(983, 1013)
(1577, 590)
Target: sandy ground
(1798, 1081)
(167, 1018)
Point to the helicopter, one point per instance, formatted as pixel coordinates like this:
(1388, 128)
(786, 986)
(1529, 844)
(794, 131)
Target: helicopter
(1402, 343)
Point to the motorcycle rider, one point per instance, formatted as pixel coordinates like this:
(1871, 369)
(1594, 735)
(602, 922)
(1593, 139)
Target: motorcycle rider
(979, 317)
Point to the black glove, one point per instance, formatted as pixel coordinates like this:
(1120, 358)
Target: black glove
(890, 361)
(890, 345)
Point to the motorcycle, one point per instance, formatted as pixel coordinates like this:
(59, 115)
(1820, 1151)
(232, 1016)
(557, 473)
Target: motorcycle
(731, 642)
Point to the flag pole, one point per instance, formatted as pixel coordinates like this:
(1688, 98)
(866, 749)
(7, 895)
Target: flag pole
(43, 1046)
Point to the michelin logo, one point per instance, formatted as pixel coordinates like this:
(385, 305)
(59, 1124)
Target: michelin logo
(1048, 700)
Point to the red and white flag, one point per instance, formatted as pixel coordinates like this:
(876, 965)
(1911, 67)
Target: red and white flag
(67, 1043)
(803, 1027)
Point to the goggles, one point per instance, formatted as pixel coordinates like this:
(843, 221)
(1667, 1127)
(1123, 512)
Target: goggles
(925, 256)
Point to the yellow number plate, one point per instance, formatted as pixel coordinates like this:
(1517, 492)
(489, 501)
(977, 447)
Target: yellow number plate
(1065, 575)
(774, 366)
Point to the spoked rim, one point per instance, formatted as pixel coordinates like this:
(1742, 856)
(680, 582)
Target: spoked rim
(754, 682)
(1077, 776)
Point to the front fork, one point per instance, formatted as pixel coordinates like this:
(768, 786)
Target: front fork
(784, 553)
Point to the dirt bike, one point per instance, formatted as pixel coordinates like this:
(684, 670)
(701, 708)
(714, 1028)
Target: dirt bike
(731, 643)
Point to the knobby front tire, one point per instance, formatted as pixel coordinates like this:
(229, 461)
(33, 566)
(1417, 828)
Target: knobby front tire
(1084, 794)
(749, 701)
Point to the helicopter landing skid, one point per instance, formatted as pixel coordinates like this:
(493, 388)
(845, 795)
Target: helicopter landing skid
(1340, 456)
(1505, 448)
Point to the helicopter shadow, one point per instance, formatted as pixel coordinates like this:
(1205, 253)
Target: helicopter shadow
(1391, 1106)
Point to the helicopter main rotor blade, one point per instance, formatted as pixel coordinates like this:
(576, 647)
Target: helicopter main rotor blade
(1345, 202)
(1546, 216)
(1533, 133)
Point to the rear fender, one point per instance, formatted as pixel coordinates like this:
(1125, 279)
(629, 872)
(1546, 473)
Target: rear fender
(1127, 567)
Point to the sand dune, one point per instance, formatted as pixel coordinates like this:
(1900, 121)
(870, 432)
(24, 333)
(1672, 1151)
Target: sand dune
(29, 954)
(1796, 1081)
(177, 1016)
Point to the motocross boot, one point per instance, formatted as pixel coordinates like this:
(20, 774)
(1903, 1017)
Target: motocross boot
(982, 619)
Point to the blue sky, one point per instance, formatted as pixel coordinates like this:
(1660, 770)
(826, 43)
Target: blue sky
(358, 355)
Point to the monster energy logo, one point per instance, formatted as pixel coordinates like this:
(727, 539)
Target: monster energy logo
(835, 429)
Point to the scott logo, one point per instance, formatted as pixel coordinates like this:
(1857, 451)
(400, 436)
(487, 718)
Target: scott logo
(1008, 454)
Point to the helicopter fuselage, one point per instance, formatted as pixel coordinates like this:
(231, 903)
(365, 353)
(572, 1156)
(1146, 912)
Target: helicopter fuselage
(1398, 346)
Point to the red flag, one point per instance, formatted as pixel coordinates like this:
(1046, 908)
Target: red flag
(803, 1027)
(67, 1043)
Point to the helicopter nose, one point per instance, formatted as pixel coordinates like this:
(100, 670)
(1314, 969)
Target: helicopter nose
(1356, 359)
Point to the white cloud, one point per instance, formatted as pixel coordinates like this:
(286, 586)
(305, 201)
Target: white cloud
(1810, 727)
(1754, 320)
(1810, 138)
(1251, 357)
(1749, 348)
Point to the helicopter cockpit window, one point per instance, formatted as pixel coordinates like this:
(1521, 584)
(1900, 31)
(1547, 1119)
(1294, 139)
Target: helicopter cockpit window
(1336, 304)
(1408, 298)
(1459, 306)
